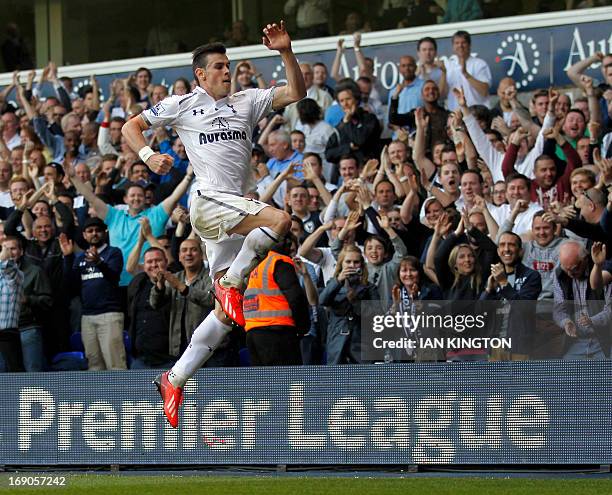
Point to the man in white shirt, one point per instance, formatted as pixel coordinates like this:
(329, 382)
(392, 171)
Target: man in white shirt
(10, 128)
(517, 189)
(5, 177)
(216, 129)
(470, 73)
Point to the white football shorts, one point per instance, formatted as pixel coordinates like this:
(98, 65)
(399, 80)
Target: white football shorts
(212, 214)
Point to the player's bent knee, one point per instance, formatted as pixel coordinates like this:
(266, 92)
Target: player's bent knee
(282, 222)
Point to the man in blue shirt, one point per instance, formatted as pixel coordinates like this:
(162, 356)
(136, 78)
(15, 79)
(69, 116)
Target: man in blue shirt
(279, 147)
(123, 225)
(410, 95)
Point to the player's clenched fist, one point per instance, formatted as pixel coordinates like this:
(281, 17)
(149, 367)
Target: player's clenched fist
(160, 164)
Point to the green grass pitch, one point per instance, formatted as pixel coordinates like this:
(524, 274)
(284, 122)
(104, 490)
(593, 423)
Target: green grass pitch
(177, 484)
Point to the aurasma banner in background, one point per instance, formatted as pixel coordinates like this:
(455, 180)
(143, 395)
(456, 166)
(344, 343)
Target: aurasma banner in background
(554, 412)
(534, 58)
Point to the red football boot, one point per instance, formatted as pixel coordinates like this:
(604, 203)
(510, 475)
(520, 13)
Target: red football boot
(230, 299)
(171, 396)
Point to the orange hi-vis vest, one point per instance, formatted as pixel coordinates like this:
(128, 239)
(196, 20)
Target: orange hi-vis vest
(264, 303)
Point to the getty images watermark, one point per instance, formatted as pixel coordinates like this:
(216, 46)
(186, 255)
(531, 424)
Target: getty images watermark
(440, 330)
(425, 323)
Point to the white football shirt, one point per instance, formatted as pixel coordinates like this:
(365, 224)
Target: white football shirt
(216, 134)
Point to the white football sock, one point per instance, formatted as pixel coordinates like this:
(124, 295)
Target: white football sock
(205, 339)
(255, 248)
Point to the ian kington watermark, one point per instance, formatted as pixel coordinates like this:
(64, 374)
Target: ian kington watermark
(430, 331)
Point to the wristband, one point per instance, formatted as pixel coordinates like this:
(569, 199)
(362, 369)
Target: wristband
(145, 153)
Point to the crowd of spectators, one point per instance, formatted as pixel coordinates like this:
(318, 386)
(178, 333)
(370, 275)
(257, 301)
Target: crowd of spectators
(433, 193)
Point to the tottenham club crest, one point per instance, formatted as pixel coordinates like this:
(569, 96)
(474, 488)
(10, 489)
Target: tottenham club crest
(523, 52)
(220, 124)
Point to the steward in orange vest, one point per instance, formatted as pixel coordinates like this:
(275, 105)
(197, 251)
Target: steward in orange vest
(275, 311)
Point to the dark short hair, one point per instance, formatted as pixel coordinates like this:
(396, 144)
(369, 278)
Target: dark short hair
(314, 155)
(109, 157)
(449, 146)
(474, 172)
(539, 214)
(463, 34)
(199, 244)
(309, 111)
(133, 184)
(542, 157)
(139, 163)
(578, 111)
(349, 156)
(427, 39)
(384, 181)
(374, 237)
(149, 73)
(14, 238)
(184, 81)
(481, 112)
(154, 248)
(200, 55)
(58, 168)
(515, 175)
(347, 84)
(519, 241)
(299, 185)
(298, 220)
(497, 134)
(539, 94)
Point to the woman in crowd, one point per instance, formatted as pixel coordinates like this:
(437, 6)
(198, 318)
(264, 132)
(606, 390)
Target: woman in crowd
(181, 87)
(342, 296)
(245, 76)
(316, 131)
(414, 286)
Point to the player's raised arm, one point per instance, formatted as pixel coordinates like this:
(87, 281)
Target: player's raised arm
(132, 132)
(276, 38)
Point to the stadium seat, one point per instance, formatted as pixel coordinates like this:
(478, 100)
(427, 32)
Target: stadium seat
(69, 361)
(76, 342)
(127, 342)
(245, 357)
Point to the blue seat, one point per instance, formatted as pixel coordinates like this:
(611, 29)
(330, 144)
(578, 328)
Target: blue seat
(127, 342)
(244, 357)
(76, 342)
(69, 361)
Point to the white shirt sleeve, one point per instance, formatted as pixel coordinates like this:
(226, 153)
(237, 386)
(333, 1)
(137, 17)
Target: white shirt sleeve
(485, 149)
(261, 103)
(482, 72)
(526, 168)
(164, 113)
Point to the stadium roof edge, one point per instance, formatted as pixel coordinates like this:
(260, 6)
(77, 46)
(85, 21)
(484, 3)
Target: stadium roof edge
(329, 43)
